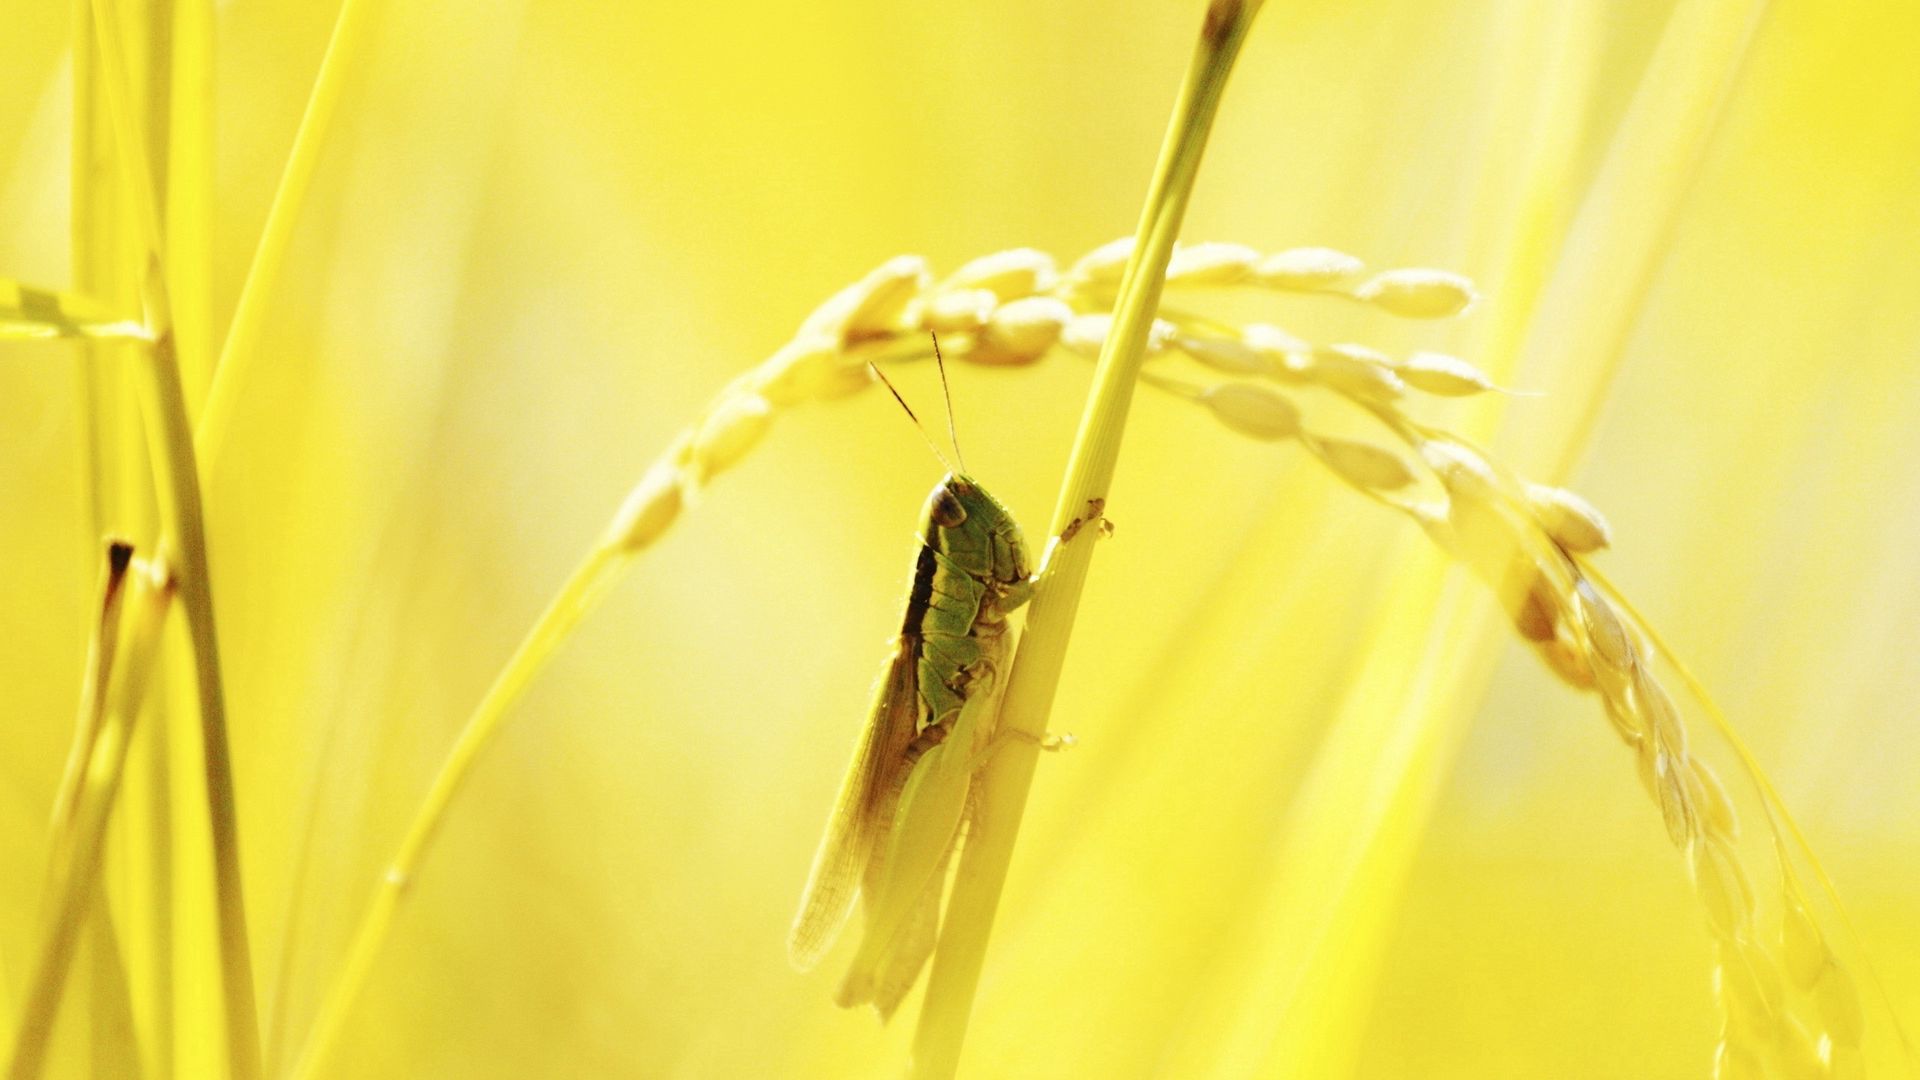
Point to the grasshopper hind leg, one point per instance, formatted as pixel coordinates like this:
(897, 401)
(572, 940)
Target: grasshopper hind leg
(883, 980)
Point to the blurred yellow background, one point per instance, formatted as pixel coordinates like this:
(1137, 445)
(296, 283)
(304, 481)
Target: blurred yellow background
(542, 235)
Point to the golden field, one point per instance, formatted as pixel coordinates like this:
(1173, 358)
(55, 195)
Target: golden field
(1326, 815)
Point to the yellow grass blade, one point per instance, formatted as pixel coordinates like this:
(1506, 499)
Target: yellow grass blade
(1625, 226)
(350, 34)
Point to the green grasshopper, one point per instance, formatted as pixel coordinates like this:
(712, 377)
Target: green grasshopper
(903, 806)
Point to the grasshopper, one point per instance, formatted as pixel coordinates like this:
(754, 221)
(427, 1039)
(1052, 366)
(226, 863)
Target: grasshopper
(904, 803)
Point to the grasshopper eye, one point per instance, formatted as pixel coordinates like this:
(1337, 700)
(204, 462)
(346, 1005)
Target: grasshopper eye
(947, 511)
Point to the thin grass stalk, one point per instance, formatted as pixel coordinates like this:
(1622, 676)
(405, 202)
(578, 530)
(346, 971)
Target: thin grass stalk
(171, 437)
(579, 596)
(718, 441)
(105, 253)
(188, 195)
(182, 520)
(154, 23)
(1035, 676)
(76, 865)
(115, 1046)
(279, 987)
(180, 130)
(349, 40)
(93, 700)
(109, 602)
(90, 181)
(150, 903)
(1631, 215)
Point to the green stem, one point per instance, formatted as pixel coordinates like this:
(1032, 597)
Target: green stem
(579, 596)
(1007, 778)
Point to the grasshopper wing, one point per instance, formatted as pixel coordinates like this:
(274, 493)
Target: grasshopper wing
(860, 819)
(908, 867)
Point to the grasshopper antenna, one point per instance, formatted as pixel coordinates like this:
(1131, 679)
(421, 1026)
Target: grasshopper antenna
(953, 435)
(917, 426)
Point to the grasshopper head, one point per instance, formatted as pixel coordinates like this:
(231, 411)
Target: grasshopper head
(970, 526)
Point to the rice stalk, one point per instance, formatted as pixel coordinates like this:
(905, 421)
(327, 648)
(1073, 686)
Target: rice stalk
(344, 48)
(176, 478)
(114, 695)
(94, 213)
(179, 104)
(115, 1044)
(186, 132)
(93, 698)
(106, 250)
(1636, 205)
(183, 522)
(110, 997)
(999, 799)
